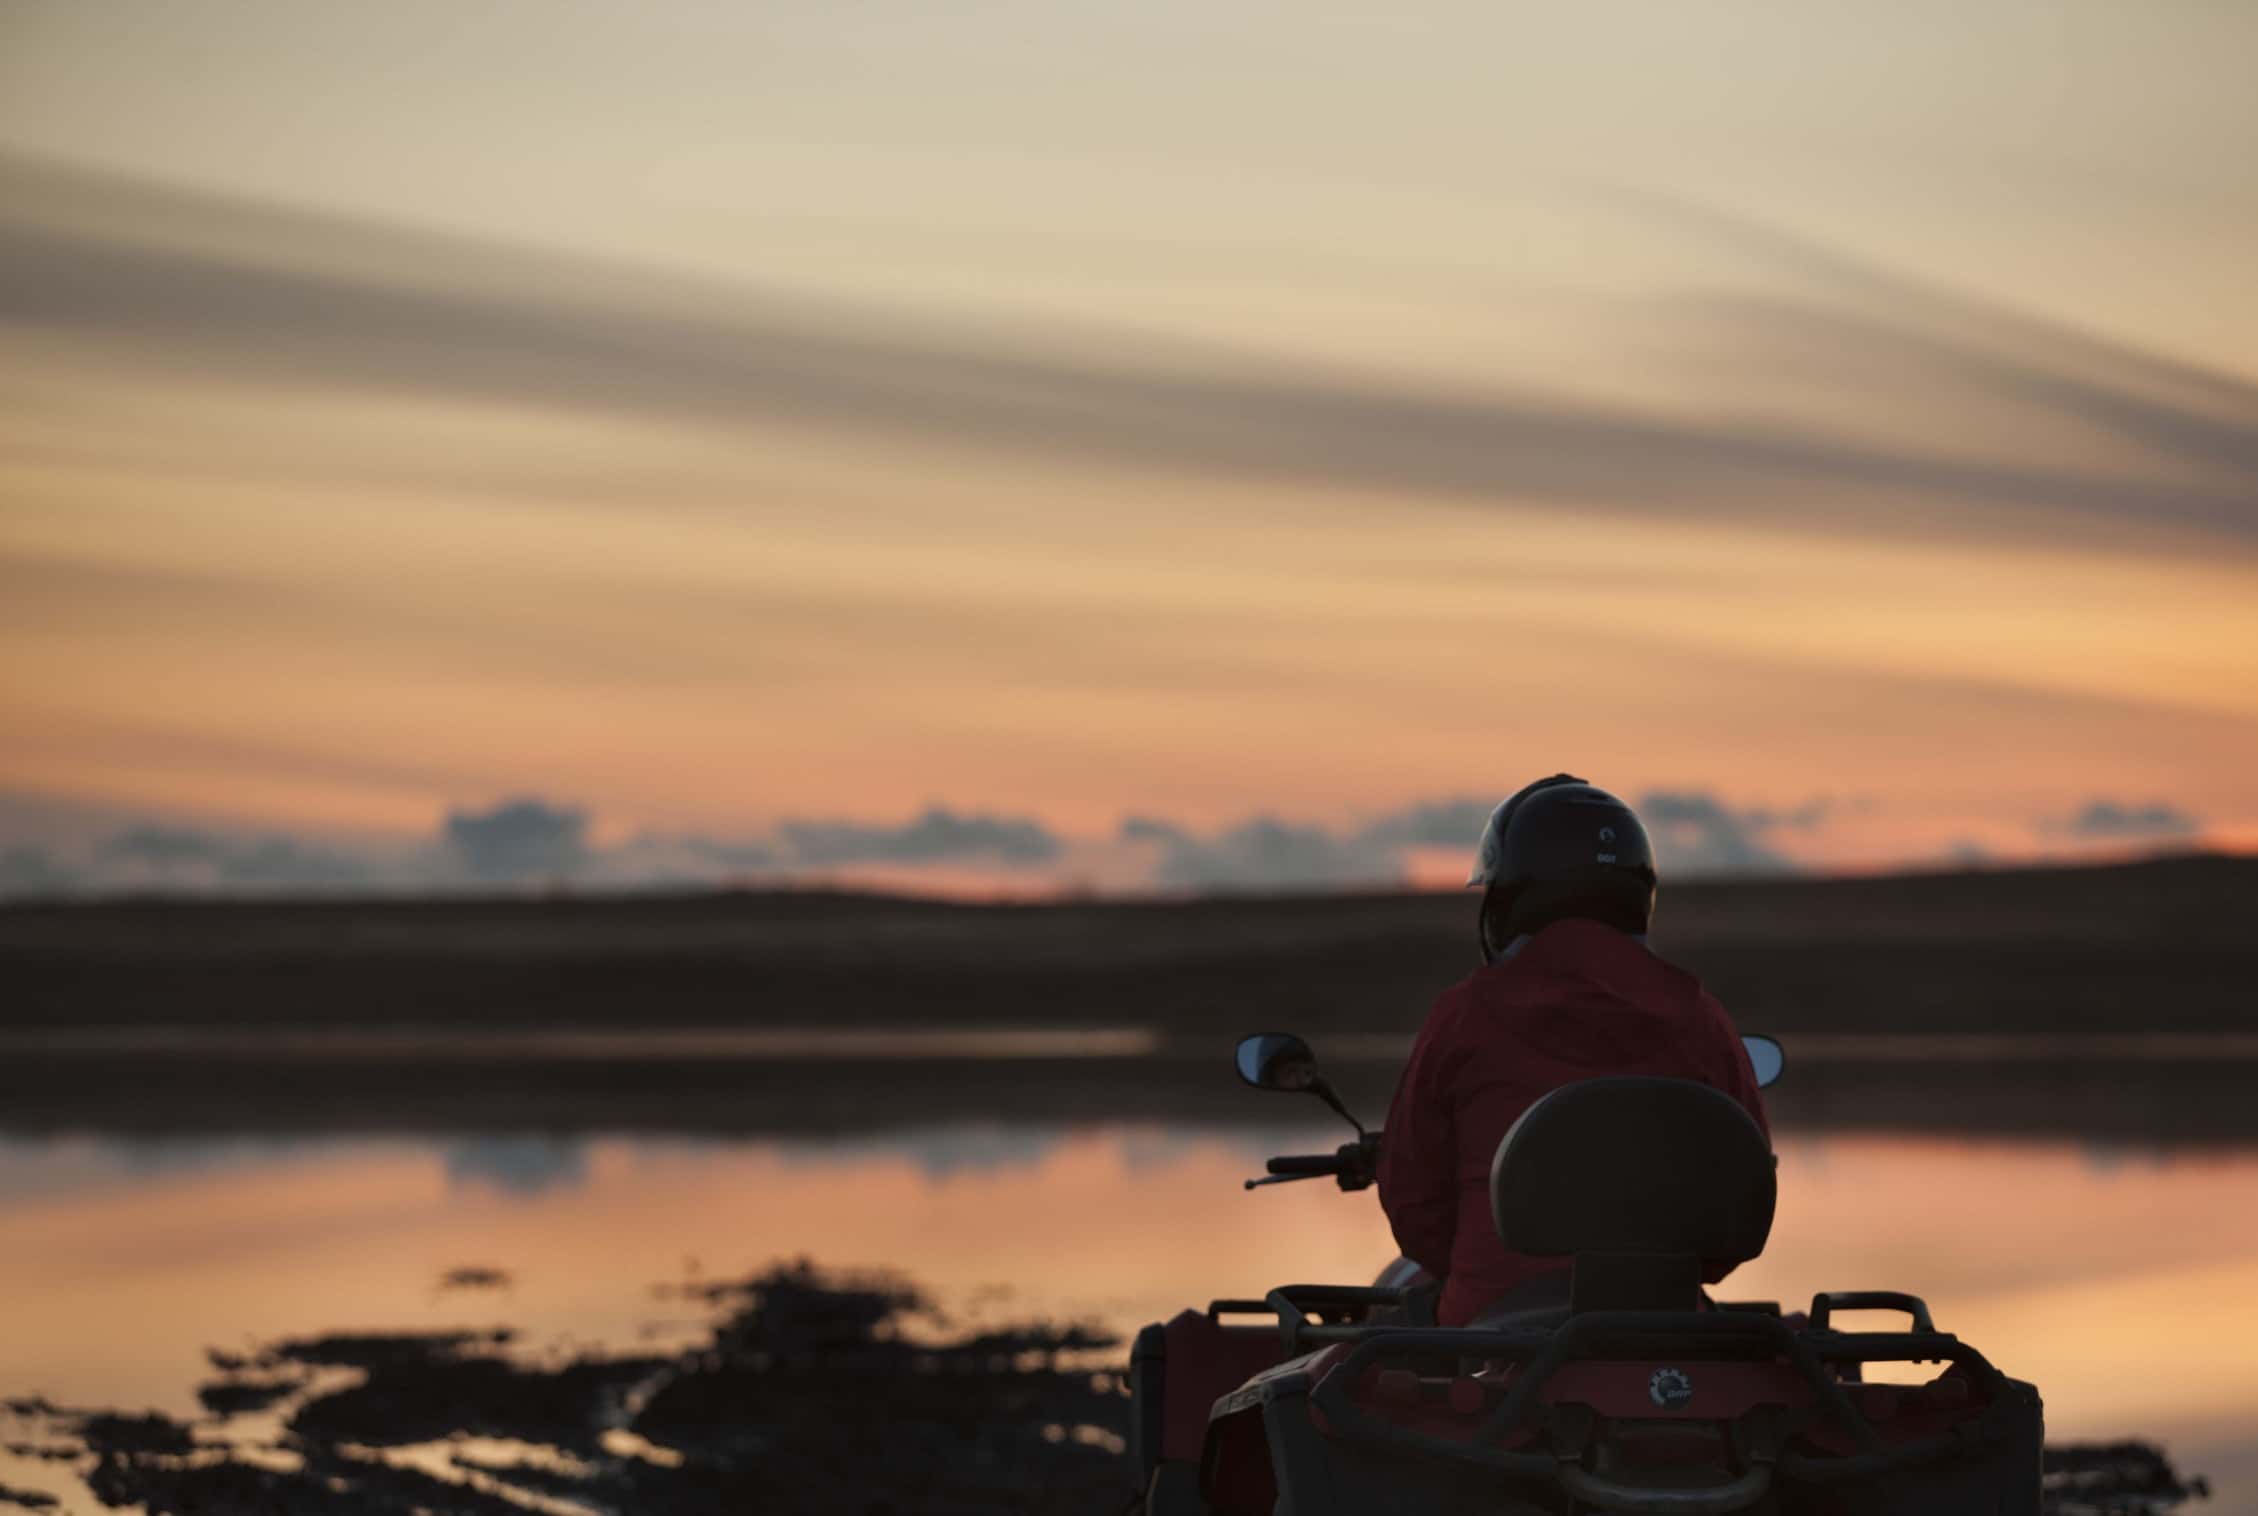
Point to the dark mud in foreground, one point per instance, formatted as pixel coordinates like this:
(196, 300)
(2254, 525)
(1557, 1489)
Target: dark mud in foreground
(810, 1394)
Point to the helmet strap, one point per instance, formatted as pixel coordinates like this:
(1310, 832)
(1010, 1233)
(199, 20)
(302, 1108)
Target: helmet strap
(1497, 907)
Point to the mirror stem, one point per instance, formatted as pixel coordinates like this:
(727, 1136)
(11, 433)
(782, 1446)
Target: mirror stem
(1322, 1088)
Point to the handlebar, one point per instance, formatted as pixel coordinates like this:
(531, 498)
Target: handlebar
(1353, 1165)
(1305, 1165)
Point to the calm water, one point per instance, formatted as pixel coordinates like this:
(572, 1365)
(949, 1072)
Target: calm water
(2124, 1282)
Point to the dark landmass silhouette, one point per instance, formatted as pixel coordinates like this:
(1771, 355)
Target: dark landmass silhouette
(810, 1393)
(462, 1015)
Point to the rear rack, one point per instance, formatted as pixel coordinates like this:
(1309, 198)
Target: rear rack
(1294, 1305)
(1540, 1351)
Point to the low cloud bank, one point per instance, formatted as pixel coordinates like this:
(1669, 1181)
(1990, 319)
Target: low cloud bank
(1694, 832)
(524, 842)
(939, 835)
(166, 857)
(1263, 853)
(1695, 835)
(518, 838)
(2106, 820)
(531, 843)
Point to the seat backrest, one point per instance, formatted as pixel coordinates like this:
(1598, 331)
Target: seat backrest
(1635, 1166)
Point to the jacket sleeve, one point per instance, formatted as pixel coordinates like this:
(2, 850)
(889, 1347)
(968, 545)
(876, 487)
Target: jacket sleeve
(1419, 1150)
(1739, 1081)
(1741, 1075)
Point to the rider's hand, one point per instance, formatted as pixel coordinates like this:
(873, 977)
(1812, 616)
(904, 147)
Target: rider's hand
(1360, 1161)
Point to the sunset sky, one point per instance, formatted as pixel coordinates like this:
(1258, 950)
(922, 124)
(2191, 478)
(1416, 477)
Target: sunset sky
(1031, 445)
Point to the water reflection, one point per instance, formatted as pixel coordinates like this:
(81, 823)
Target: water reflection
(34, 1166)
(938, 1152)
(519, 1165)
(779, 1044)
(2125, 1282)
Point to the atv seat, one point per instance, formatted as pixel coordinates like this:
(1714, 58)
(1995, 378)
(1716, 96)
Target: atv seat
(1648, 1185)
(1541, 1302)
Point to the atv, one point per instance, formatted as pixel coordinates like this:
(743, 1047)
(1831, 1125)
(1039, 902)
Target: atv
(1617, 1386)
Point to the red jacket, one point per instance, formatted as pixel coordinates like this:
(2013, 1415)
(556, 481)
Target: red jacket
(1579, 1000)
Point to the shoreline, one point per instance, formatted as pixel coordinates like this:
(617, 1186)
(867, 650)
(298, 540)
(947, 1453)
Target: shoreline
(2194, 1103)
(2112, 1004)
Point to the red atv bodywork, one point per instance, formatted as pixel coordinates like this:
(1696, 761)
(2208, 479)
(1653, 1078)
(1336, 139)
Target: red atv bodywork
(1629, 1392)
(1357, 1425)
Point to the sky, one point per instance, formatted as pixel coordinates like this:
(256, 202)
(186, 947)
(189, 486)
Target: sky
(1016, 447)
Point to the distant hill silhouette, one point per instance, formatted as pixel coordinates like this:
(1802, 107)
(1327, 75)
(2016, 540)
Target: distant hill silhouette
(2164, 946)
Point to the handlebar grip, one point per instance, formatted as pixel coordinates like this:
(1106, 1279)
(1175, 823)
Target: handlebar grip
(1305, 1163)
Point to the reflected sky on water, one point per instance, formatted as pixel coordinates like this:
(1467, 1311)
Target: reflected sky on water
(2125, 1282)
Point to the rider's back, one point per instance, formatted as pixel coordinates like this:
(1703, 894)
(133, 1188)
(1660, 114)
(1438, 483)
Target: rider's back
(1576, 1000)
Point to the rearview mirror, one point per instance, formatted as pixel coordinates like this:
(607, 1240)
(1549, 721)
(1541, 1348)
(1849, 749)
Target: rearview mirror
(1276, 1061)
(1767, 1058)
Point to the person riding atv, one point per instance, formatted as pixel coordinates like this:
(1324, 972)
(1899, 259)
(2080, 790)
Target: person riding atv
(1568, 990)
(1576, 1146)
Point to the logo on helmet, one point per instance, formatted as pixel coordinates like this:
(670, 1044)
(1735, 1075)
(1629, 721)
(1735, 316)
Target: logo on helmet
(1669, 1388)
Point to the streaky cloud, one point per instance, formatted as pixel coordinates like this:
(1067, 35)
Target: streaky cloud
(1924, 301)
(2223, 439)
(408, 319)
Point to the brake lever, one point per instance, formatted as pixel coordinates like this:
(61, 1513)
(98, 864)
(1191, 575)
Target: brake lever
(1255, 1184)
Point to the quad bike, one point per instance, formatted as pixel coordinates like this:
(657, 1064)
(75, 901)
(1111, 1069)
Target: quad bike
(1628, 1390)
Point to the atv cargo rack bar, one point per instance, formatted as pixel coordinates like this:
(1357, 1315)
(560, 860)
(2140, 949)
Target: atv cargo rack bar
(1542, 1351)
